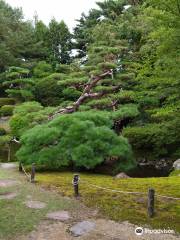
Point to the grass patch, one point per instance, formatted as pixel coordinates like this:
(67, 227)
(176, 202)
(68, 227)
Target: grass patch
(15, 218)
(175, 173)
(123, 206)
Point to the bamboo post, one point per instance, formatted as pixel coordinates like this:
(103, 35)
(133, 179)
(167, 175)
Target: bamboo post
(33, 173)
(151, 194)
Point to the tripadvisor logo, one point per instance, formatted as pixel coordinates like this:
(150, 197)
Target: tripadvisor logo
(139, 231)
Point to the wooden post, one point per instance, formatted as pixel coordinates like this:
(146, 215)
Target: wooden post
(9, 152)
(151, 194)
(75, 183)
(33, 173)
(20, 167)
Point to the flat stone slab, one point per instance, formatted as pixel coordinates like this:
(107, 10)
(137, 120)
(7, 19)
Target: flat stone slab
(8, 195)
(8, 165)
(59, 215)
(35, 204)
(8, 183)
(82, 228)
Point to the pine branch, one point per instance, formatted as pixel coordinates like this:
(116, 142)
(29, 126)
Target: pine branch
(87, 94)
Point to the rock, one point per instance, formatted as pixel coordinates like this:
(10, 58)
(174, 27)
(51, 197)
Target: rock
(82, 228)
(8, 165)
(8, 196)
(8, 183)
(176, 165)
(122, 175)
(59, 215)
(35, 204)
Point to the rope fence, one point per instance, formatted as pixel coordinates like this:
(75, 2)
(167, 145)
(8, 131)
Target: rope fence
(75, 182)
(30, 177)
(126, 192)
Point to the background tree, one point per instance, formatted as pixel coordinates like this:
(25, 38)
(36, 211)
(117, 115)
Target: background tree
(59, 39)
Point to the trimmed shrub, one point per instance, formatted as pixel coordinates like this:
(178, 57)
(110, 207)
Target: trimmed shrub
(2, 131)
(6, 101)
(6, 110)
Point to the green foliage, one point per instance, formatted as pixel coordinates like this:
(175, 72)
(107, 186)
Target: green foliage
(6, 110)
(126, 111)
(155, 140)
(59, 40)
(4, 140)
(6, 101)
(70, 93)
(20, 88)
(27, 115)
(85, 139)
(2, 131)
(42, 69)
(48, 91)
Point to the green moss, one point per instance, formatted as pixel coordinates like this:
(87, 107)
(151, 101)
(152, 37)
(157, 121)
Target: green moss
(119, 206)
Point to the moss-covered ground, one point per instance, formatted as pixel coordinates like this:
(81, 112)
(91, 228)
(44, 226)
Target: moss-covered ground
(118, 206)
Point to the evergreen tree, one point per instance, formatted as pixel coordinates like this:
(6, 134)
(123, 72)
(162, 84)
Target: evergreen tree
(59, 39)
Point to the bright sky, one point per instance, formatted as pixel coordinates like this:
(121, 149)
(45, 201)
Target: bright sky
(68, 10)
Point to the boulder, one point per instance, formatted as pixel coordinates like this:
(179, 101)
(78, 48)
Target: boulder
(122, 175)
(176, 165)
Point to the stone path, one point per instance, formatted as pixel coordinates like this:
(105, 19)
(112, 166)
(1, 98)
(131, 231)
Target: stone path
(59, 215)
(8, 195)
(35, 204)
(64, 225)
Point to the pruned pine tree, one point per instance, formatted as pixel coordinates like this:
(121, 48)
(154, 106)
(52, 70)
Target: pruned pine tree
(99, 83)
(19, 84)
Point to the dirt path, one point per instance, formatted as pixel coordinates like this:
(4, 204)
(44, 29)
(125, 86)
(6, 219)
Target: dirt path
(73, 220)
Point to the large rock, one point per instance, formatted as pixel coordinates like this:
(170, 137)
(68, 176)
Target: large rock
(122, 175)
(176, 165)
(82, 228)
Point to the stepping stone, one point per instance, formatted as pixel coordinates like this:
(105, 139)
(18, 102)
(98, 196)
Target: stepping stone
(82, 228)
(59, 215)
(8, 195)
(35, 204)
(8, 165)
(8, 183)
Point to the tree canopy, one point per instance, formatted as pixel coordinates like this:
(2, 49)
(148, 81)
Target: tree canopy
(117, 98)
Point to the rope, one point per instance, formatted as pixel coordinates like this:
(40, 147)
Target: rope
(125, 192)
(27, 175)
(113, 190)
(161, 196)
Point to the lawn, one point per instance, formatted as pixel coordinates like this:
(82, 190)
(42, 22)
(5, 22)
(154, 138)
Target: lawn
(118, 206)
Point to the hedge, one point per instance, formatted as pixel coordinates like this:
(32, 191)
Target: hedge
(6, 110)
(6, 101)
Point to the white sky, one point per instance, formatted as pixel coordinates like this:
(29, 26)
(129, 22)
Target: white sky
(68, 10)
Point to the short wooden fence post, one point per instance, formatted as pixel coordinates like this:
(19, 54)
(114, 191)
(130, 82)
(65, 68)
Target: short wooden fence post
(20, 167)
(33, 170)
(151, 194)
(75, 183)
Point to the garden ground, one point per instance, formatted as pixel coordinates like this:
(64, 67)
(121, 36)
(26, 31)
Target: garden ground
(17, 221)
